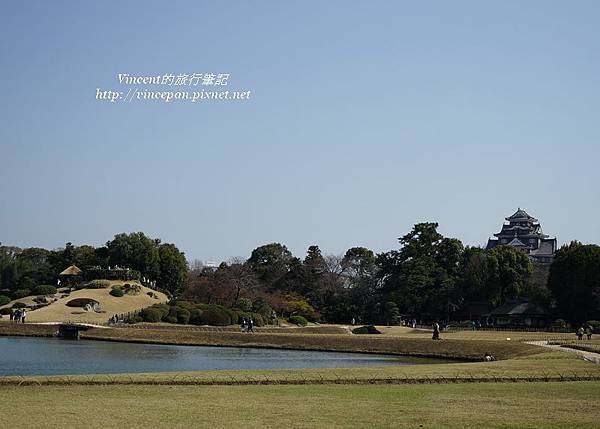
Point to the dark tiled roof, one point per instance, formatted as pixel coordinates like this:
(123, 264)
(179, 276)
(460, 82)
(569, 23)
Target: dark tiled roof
(521, 214)
(517, 308)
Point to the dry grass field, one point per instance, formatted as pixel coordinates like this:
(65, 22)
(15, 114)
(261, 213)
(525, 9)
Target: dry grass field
(529, 387)
(401, 331)
(485, 405)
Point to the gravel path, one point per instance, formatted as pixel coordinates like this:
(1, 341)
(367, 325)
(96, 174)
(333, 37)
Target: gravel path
(582, 354)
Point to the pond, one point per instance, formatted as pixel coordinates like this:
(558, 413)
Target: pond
(53, 356)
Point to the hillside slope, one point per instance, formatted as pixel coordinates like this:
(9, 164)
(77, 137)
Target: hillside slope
(59, 312)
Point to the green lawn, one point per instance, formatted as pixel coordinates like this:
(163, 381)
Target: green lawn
(485, 405)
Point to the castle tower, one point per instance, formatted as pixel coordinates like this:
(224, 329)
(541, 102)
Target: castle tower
(524, 232)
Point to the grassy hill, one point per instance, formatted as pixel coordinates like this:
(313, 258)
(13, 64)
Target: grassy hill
(58, 311)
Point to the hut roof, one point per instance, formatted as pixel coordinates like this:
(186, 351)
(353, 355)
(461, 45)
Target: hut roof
(71, 271)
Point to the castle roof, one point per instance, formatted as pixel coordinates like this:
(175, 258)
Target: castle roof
(517, 243)
(520, 215)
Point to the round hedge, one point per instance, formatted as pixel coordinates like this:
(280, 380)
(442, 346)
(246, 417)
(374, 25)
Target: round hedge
(4, 300)
(81, 302)
(298, 320)
(96, 284)
(215, 317)
(370, 329)
(44, 290)
(117, 292)
(183, 316)
(152, 315)
(196, 316)
(21, 293)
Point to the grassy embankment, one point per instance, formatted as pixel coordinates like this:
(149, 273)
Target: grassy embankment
(525, 405)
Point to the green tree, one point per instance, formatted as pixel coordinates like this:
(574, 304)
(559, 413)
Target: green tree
(358, 262)
(421, 277)
(575, 281)
(135, 251)
(173, 268)
(271, 262)
(391, 313)
(510, 270)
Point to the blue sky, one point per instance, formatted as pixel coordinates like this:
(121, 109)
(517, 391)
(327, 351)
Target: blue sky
(365, 118)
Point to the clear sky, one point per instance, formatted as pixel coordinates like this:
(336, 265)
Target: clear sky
(364, 118)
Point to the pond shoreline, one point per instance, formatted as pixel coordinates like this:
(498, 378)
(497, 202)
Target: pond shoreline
(43, 357)
(452, 349)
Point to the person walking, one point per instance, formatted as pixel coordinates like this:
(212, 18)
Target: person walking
(23, 316)
(580, 333)
(436, 331)
(243, 325)
(589, 331)
(250, 325)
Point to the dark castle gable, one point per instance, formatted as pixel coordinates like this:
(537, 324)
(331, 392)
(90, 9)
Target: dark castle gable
(524, 231)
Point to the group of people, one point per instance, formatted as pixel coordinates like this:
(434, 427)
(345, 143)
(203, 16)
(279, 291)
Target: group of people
(587, 330)
(18, 315)
(247, 324)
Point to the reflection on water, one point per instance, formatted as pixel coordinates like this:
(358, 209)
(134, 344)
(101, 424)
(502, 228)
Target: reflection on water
(51, 356)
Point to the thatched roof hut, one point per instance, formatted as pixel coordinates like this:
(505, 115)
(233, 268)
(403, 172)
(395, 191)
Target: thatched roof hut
(71, 271)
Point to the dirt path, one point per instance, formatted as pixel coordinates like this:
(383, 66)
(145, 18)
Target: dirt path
(582, 354)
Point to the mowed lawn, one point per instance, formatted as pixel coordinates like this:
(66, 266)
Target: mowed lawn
(484, 405)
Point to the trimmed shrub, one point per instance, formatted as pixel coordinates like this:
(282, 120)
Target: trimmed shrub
(116, 291)
(215, 316)
(595, 324)
(369, 329)
(559, 323)
(264, 309)
(96, 284)
(163, 309)
(304, 309)
(114, 274)
(19, 305)
(258, 319)
(21, 293)
(4, 300)
(171, 317)
(152, 315)
(5, 310)
(131, 289)
(298, 320)
(196, 316)
(244, 304)
(135, 319)
(43, 290)
(183, 316)
(81, 302)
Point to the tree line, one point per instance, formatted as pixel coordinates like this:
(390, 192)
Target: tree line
(428, 277)
(24, 269)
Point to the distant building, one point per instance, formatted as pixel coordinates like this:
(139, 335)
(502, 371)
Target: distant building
(519, 314)
(524, 232)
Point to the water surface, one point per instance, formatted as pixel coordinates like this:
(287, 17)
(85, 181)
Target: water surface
(53, 356)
